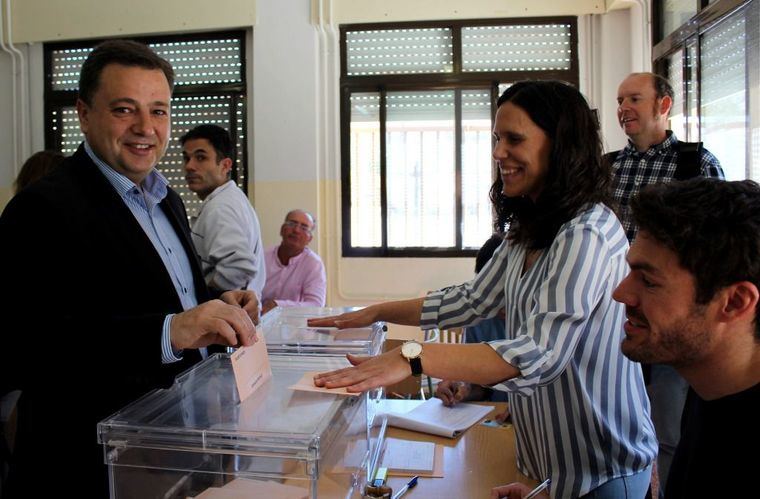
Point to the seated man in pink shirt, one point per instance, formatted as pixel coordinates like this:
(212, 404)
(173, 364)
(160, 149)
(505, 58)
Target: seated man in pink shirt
(295, 274)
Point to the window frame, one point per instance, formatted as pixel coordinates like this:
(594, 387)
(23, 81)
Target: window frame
(691, 32)
(458, 81)
(707, 14)
(56, 100)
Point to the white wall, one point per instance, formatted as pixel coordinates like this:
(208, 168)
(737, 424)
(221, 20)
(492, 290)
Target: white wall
(293, 105)
(22, 124)
(616, 59)
(284, 114)
(7, 172)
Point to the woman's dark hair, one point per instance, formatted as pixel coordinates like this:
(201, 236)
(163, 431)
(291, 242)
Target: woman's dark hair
(577, 174)
(37, 166)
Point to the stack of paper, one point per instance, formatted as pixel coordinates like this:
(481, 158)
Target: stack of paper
(435, 418)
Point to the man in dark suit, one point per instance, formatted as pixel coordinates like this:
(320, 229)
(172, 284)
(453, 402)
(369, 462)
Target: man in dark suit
(102, 296)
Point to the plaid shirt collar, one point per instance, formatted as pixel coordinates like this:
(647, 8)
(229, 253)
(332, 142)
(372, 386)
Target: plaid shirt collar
(666, 146)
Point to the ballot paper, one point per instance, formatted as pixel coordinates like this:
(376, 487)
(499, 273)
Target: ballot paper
(251, 366)
(435, 418)
(306, 384)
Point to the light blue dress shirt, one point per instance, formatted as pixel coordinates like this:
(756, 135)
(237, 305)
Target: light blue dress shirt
(143, 201)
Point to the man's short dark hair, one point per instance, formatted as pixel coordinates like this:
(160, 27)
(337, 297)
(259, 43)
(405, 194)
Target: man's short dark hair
(662, 86)
(124, 52)
(217, 136)
(219, 139)
(712, 225)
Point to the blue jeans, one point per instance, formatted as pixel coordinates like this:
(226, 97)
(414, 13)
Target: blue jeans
(626, 487)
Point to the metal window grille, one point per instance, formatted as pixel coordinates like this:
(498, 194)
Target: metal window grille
(418, 101)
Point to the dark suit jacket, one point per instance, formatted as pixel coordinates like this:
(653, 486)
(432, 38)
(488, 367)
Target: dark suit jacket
(83, 300)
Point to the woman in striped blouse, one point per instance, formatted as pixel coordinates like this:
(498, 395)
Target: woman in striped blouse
(579, 407)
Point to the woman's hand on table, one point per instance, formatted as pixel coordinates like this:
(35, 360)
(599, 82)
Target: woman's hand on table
(367, 373)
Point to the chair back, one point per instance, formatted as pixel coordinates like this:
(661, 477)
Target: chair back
(453, 335)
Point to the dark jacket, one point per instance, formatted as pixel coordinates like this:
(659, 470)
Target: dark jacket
(83, 300)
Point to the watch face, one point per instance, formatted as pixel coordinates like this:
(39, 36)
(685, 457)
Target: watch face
(411, 349)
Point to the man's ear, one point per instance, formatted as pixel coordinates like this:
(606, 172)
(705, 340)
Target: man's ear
(226, 164)
(83, 111)
(738, 302)
(665, 104)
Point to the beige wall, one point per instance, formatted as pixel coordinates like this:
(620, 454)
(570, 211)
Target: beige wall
(351, 11)
(53, 20)
(6, 192)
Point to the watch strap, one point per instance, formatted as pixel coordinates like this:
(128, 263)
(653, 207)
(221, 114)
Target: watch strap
(416, 365)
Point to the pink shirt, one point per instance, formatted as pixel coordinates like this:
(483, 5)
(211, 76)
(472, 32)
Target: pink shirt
(300, 283)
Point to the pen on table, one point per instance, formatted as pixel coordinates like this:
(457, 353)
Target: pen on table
(410, 484)
(541, 487)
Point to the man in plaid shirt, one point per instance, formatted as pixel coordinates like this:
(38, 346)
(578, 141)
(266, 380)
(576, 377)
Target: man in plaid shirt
(651, 155)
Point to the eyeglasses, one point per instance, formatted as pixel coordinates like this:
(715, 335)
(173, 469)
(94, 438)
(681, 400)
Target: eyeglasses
(293, 224)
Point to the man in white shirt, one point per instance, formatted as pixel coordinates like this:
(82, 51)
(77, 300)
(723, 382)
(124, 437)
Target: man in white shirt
(226, 231)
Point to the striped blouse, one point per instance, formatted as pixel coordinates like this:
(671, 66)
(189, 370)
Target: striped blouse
(579, 407)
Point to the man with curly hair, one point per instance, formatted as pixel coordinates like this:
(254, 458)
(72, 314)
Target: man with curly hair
(691, 301)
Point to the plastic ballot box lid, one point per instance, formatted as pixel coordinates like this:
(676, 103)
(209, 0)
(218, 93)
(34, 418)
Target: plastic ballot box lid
(286, 332)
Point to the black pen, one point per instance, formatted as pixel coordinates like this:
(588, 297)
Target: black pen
(409, 485)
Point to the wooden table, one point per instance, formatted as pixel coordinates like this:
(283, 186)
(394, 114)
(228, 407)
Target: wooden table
(473, 463)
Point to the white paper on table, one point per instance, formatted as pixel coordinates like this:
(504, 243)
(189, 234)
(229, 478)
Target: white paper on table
(408, 455)
(398, 455)
(435, 418)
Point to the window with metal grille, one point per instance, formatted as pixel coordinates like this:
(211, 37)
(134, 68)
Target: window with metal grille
(417, 105)
(711, 59)
(209, 88)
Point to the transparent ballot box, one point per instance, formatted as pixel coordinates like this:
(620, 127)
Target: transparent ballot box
(196, 439)
(285, 332)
